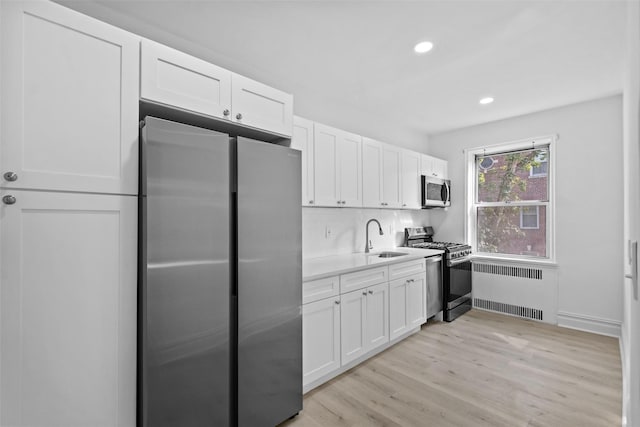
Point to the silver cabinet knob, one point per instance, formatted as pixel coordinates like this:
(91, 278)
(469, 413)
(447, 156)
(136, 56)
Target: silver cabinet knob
(8, 199)
(226, 112)
(364, 293)
(370, 292)
(337, 302)
(11, 176)
(310, 202)
(343, 202)
(239, 116)
(404, 204)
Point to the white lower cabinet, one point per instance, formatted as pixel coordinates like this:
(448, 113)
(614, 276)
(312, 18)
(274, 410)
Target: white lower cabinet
(353, 313)
(320, 338)
(364, 321)
(407, 304)
(346, 317)
(68, 309)
(377, 320)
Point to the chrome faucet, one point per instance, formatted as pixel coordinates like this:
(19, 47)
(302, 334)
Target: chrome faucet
(367, 244)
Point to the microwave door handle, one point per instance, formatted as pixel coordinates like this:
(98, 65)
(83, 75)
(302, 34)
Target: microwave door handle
(448, 199)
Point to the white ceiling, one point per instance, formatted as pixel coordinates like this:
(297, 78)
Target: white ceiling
(351, 64)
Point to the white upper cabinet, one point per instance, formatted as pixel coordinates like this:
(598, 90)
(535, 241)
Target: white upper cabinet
(337, 167)
(380, 174)
(410, 180)
(302, 139)
(391, 192)
(350, 164)
(260, 106)
(69, 102)
(371, 173)
(174, 78)
(432, 166)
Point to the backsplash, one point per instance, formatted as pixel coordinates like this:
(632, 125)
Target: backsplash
(330, 231)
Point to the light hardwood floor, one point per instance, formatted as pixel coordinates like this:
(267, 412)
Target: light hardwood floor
(483, 369)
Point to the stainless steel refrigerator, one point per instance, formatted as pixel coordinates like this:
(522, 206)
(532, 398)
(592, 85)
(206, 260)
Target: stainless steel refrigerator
(220, 328)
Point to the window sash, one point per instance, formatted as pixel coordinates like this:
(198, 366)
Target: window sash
(471, 194)
(476, 191)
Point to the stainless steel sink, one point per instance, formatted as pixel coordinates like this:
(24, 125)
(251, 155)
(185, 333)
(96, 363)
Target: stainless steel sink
(391, 254)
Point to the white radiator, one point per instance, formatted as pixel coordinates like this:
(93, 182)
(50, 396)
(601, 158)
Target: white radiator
(516, 289)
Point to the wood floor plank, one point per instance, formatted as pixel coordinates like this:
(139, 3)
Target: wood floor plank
(484, 369)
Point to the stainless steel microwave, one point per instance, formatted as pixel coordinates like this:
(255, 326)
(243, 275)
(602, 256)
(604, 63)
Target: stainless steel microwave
(436, 192)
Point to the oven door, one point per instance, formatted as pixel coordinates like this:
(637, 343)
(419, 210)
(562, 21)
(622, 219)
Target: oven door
(459, 282)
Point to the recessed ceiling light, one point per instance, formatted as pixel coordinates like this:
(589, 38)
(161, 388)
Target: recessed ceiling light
(487, 100)
(423, 47)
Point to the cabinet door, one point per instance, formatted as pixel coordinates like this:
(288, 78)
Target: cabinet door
(417, 300)
(371, 173)
(377, 325)
(260, 106)
(350, 169)
(320, 338)
(410, 179)
(426, 165)
(398, 320)
(439, 168)
(325, 161)
(68, 309)
(171, 77)
(69, 101)
(391, 194)
(353, 312)
(302, 139)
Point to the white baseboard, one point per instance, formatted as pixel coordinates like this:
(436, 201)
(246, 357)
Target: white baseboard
(596, 325)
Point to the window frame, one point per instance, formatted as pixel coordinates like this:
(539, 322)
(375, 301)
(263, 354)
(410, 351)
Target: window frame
(471, 204)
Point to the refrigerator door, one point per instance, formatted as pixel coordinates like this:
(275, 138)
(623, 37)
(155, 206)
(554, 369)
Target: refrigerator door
(184, 283)
(269, 283)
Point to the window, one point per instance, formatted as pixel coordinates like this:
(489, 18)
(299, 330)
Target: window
(529, 217)
(539, 166)
(510, 214)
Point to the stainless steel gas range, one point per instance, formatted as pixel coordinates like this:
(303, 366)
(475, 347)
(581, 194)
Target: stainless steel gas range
(456, 270)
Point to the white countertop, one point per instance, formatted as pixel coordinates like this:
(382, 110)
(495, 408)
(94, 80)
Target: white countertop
(317, 268)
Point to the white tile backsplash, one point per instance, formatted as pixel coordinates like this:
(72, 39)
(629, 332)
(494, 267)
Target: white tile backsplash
(330, 231)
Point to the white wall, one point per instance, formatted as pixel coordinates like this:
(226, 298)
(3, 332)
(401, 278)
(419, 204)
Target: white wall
(630, 340)
(347, 227)
(589, 200)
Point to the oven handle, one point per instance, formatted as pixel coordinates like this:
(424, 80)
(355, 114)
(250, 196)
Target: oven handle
(458, 261)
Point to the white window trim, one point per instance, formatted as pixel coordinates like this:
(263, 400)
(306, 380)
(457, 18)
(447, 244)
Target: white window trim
(537, 226)
(470, 189)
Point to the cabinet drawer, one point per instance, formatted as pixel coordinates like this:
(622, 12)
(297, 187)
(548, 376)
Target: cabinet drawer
(361, 279)
(406, 268)
(318, 289)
